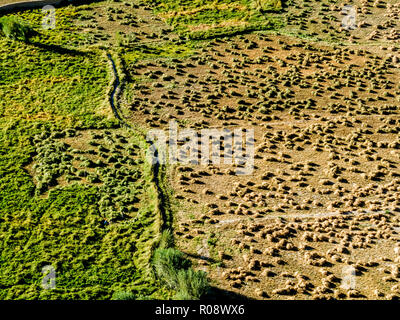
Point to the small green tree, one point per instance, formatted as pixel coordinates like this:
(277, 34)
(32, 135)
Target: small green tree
(167, 239)
(192, 285)
(175, 270)
(167, 263)
(13, 28)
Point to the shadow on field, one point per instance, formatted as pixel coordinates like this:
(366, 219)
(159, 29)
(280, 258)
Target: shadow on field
(196, 256)
(58, 49)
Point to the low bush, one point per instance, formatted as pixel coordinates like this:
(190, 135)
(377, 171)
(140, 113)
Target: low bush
(167, 263)
(192, 284)
(174, 269)
(13, 28)
(123, 295)
(167, 239)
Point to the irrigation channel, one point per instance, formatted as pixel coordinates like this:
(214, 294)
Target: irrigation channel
(159, 171)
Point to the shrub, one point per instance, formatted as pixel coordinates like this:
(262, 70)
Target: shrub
(123, 295)
(167, 239)
(192, 284)
(167, 263)
(14, 28)
(182, 295)
(174, 269)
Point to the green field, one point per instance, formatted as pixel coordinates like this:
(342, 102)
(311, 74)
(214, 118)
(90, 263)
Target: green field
(204, 19)
(54, 214)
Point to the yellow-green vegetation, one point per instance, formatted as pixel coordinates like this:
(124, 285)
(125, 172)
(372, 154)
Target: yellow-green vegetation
(70, 228)
(173, 269)
(203, 19)
(38, 82)
(168, 50)
(65, 32)
(14, 28)
(75, 190)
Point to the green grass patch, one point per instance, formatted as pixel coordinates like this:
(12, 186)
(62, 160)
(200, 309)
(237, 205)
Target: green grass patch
(66, 32)
(209, 16)
(192, 285)
(273, 23)
(168, 50)
(175, 271)
(204, 19)
(66, 230)
(46, 86)
(14, 28)
(167, 263)
(187, 5)
(40, 82)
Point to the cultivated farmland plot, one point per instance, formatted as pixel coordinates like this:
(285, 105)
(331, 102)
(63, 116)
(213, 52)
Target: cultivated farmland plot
(312, 87)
